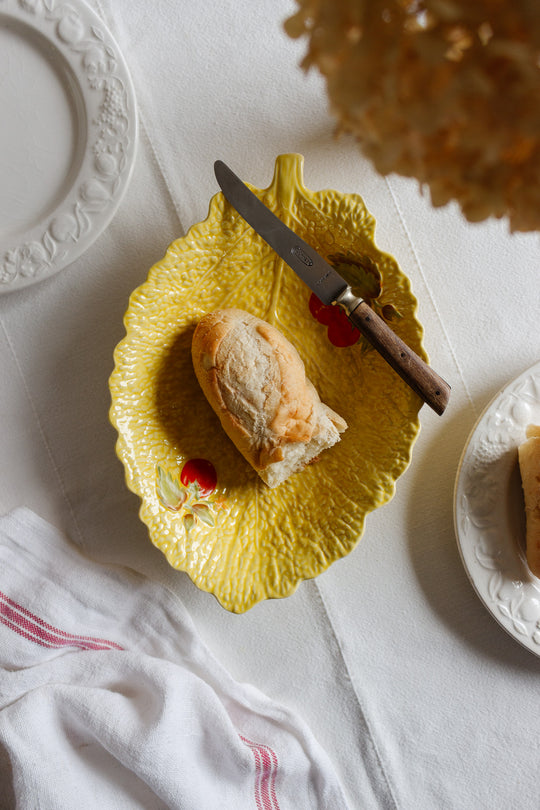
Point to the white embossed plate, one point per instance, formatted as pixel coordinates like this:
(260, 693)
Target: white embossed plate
(67, 138)
(489, 512)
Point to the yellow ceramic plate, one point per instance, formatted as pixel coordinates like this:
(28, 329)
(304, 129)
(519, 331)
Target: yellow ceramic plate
(204, 506)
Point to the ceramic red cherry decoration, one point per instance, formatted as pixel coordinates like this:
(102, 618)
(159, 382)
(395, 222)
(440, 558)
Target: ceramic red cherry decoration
(202, 472)
(341, 332)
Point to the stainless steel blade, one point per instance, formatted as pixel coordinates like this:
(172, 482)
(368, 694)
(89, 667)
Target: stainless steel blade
(320, 276)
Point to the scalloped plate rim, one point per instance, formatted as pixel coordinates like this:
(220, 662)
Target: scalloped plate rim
(527, 581)
(41, 233)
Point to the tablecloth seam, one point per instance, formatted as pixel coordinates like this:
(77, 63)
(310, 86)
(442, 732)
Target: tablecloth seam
(418, 263)
(387, 781)
(41, 432)
(159, 166)
(143, 128)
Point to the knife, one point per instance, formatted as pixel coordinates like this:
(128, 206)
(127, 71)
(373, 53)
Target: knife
(331, 288)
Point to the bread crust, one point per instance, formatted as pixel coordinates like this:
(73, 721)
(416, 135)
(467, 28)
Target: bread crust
(255, 381)
(529, 464)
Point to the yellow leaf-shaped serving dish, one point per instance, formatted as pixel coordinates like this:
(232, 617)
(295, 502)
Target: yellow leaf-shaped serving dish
(204, 506)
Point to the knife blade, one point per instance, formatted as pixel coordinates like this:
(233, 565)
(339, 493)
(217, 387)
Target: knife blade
(331, 288)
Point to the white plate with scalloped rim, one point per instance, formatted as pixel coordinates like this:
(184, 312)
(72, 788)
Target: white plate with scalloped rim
(489, 511)
(68, 135)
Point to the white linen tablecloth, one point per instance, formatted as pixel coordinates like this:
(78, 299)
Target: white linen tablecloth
(416, 694)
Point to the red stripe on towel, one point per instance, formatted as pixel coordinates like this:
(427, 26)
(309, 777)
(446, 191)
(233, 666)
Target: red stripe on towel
(266, 765)
(33, 628)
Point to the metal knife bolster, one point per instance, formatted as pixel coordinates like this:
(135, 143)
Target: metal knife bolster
(348, 301)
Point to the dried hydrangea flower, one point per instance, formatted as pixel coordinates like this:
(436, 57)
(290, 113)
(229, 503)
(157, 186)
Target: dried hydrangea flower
(446, 91)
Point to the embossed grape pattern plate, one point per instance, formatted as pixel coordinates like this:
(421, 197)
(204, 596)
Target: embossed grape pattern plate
(489, 511)
(68, 135)
(204, 506)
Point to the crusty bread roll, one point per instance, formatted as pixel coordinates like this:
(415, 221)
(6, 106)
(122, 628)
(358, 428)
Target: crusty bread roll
(529, 466)
(255, 381)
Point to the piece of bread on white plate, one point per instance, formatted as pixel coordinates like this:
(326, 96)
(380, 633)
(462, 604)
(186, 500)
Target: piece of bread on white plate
(529, 466)
(255, 381)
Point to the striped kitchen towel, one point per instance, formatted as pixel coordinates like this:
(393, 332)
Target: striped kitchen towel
(109, 699)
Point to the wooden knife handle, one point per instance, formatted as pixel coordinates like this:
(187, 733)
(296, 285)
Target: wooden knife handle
(411, 368)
